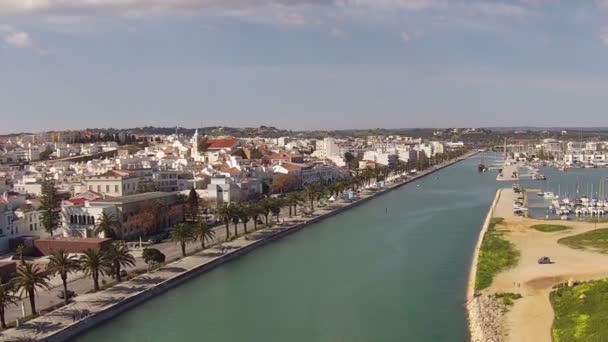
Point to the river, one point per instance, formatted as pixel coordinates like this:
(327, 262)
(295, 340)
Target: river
(393, 269)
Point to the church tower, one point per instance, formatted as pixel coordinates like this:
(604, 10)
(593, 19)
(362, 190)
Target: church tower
(194, 151)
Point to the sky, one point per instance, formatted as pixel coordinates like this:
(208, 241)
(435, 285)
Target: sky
(302, 64)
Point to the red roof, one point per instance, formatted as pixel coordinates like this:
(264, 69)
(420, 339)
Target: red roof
(218, 144)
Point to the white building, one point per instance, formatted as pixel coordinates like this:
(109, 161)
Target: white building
(113, 183)
(390, 159)
(326, 148)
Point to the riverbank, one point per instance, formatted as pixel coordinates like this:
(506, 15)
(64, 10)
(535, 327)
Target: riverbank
(530, 318)
(129, 293)
(483, 314)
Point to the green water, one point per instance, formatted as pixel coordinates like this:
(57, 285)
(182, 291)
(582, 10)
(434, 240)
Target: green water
(394, 269)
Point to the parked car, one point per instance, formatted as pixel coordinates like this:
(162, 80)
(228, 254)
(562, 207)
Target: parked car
(61, 294)
(155, 239)
(544, 260)
(123, 273)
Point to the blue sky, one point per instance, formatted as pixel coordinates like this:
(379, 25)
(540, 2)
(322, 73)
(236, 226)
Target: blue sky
(312, 64)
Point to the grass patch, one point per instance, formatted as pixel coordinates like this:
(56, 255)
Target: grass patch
(496, 254)
(549, 228)
(596, 240)
(508, 298)
(581, 312)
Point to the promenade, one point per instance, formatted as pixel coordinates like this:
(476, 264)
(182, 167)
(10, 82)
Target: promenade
(91, 309)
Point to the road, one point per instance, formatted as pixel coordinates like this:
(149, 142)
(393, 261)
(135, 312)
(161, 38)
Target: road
(80, 284)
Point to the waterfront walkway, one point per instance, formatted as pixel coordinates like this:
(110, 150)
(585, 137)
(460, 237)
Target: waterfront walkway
(88, 310)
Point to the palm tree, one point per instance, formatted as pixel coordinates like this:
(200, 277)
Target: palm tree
(224, 213)
(182, 234)
(63, 263)
(95, 263)
(203, 232)
(118, 255)
(293, 200)
(7, 298)
(106, 225)
(234, 216)
(310, 192)
(244, 214)
(29, 278)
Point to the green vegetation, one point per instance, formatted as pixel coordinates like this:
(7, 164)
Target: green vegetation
(596, 240)
(581, 312)
(496, 254)
(507, 298)
(548, 228)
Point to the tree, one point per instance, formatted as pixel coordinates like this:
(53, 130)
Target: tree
(62, 264)
(46, 154)
(311, 192)
(7, 298)
(95, 263)
(224, 213)
(244, 214)
(235, 217)
(284, 183)
(29, 279)
(152, 257)
(193, 204)
(148, 217)
(50, 206)
(106, 225)
(118, 255)
(255, 210)
(265, 206)
(203, 232)
(182, 234)
(293, 200)
(275, 206)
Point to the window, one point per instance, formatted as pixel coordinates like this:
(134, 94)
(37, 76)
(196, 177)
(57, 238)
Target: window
(99, 188)
(115, 188)
(90, 188)
(31, 227)
(107, 188)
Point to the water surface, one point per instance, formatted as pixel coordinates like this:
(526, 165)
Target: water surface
(394, 269)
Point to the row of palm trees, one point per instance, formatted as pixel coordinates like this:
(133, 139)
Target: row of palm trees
(32, 277)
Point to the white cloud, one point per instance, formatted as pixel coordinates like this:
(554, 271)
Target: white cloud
(189, 7)
(16, 38)
(19, 39)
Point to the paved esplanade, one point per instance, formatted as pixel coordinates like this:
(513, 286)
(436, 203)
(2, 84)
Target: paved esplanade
(394, 269)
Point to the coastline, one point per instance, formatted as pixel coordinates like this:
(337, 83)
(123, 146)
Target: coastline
(475, 306)
(61, 327)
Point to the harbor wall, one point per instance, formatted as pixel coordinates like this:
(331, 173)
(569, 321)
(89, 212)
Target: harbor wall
(477, 331)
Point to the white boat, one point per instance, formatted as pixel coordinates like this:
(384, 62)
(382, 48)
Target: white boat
(564, 217)
(549, 195)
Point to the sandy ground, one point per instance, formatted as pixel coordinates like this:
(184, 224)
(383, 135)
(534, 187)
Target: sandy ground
(507, 173)
(531, 317)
